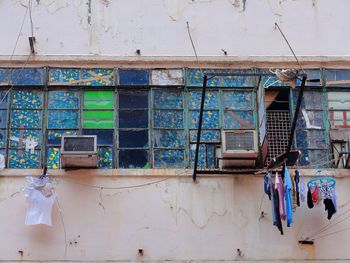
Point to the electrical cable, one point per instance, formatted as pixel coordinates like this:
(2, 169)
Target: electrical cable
(193, 46)
(63, 225)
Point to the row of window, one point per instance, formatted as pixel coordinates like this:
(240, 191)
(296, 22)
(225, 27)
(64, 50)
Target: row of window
(135, 128)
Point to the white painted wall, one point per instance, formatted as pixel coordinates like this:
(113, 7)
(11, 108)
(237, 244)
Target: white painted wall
(173, 220)
(158, 27)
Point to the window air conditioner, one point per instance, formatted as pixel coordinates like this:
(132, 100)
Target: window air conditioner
(239, 149)
(79, 151)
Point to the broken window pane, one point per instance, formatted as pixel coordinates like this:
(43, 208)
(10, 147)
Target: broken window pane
(133, 118)
(133, 139)
(133, 159)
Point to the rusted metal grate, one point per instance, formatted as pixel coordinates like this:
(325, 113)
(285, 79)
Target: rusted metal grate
(278, 130)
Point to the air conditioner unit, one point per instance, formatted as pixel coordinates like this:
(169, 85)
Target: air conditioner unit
(239, 149)
(79, 151)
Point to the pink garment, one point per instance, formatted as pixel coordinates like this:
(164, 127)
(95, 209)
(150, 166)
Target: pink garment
(280, 188)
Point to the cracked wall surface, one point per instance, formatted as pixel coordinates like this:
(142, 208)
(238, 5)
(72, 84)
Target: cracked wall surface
(158, 28)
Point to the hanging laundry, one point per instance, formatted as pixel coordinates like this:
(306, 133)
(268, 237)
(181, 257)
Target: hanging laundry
(281, 195)
(266, 185)
(302, 189)
(315, 195)
(276, 219)
(329, 207)
(40, 198)
(288, 197)
(296, 182)
(310, 204)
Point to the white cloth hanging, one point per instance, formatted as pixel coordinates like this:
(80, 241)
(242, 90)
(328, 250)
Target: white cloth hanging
(40, 198)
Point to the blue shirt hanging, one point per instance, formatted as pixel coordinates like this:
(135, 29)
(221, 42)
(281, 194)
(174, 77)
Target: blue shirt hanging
(289, 198)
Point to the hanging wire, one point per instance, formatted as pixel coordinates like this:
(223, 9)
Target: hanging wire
(193, 46)
(332, 233)
(63, 225)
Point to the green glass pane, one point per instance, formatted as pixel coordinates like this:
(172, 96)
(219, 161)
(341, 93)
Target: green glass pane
(98, 99)
(98, 119)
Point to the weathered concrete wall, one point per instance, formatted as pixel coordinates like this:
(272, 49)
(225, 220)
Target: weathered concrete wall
(158, 28)
(172, 220)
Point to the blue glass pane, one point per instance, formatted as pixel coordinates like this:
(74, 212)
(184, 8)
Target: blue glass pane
(53, 158)
(27, 76)
(19, 137)
(2, 138)
(55, 137)
(5, 76)
(26, 119)
(239, 120)
(4, 95)
(211, 100)
(165, 99)
(309, 157)
(133, 159)
(238, 100)
(194, 77)
(334, 78)
(133, 100)
(133, 119)
(210, 155)
(169, 158)
(206, 136)
(311, 100)
(105, 155)
(104, 137)
(133, 77)
(63, 100)
(168, 119)
(23, 99)
(202, 163)
(314, 119)
(3, 118)
(22, 159)
(64, 76)
(311, 139)
(210, 119)
(97, 77)
(133, 139)
(169, 138)
(62, 119)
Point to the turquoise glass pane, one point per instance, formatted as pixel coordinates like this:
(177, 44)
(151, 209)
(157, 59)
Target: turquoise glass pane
(23, 99)
(211, 100)
(64, 76)
(2, 138)
(168, 119)
(169, 158)
(105, 155)
(206, 136)
(164, 99)
(63, 100)
(55, 137)
(169, 138)
(26, 119)
(21, 159)
(97, 77)
(210, 119)
(63, 119)
(53, 158)
(18, 137)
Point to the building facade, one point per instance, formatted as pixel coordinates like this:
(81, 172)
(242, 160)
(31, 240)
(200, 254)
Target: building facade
(131, 73)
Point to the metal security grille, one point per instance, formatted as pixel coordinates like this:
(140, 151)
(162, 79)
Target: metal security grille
(278, 129)
(239, 141)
